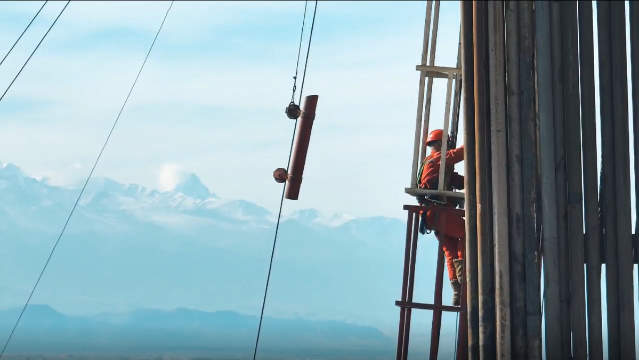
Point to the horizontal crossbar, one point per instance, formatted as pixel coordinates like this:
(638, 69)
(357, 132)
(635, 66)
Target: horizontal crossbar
(439, 69)
(422, 306)
(418, 192)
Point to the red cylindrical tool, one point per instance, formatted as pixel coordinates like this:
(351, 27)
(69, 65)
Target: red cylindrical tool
(302, 139)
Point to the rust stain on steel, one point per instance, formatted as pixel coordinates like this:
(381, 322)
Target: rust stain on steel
(302, 139)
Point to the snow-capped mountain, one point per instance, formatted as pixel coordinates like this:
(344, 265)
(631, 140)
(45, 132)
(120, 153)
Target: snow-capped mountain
(128, 246)
(190, 199)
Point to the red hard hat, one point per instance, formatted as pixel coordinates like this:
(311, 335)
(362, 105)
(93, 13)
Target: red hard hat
(435, 135)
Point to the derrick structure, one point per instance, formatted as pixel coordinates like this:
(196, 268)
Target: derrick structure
(530, 120)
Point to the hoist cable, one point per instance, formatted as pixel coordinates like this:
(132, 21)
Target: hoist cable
(34, 50)
(25, 30)
(279, 215)
(85, 184)
(299, 52)
(308, 50)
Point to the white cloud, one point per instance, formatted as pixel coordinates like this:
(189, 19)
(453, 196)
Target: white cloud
(170, 175)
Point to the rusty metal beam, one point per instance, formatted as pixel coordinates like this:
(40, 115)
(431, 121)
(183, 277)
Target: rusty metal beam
(402, 312)
(437, 301)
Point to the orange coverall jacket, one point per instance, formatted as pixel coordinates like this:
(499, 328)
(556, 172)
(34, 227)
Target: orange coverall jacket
(450, 230)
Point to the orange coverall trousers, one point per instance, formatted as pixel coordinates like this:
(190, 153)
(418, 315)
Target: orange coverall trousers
(450, 230)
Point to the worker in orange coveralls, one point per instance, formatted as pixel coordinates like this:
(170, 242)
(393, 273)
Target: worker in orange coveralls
(450, 229)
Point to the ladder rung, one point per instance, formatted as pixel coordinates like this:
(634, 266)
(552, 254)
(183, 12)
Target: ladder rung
(422, 306)
(417, 192)
(443, 70)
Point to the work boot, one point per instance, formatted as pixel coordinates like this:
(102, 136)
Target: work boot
(459, 269)
(456, 292)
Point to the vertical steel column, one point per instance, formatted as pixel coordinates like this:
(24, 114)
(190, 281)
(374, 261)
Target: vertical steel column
(401, 334)
(634, 60)
(484, 204)
(420, 99)
(574, 200)
(548, 188)
(608, 167)
(411, 283)
(529, 161)
(591, 201)
(560, 176)
(622, 178)
(468, 85)
(437, 300)
(499, 161)
(429, 86)
(515, 188)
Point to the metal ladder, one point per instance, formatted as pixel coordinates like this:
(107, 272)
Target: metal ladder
(428, 70)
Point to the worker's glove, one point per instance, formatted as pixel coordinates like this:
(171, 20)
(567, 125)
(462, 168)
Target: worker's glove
(451, 144)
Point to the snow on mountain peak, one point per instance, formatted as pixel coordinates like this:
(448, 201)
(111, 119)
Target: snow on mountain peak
(183, 198)
(192, 186)
(314, 216)
(306, 215)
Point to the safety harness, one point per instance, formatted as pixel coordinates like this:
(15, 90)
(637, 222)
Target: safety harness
(424, 199)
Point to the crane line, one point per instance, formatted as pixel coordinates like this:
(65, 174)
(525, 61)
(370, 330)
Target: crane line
(24, 31)
(290, 153)
(34, 50)
(86, 182)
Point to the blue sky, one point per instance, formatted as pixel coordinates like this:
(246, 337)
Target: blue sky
(211, 97)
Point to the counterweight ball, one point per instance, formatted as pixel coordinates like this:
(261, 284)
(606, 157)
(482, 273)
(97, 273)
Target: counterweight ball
(293, 111)
(280, 175)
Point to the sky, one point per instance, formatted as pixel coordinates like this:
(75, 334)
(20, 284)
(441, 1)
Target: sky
(211, 97)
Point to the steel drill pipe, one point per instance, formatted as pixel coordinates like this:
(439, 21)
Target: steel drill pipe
(574, 199)
(499, 161)
(547, 165)
(515, 188)
(487, 346)
(591, 201)
(622, 179)
(634, 60)
(530, 174)
(608, 170)
(560, 176)
(468, 86)
(302, 139)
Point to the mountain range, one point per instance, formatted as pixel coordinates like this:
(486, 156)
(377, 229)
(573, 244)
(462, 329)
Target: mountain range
(44, 330)
(128, 247)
